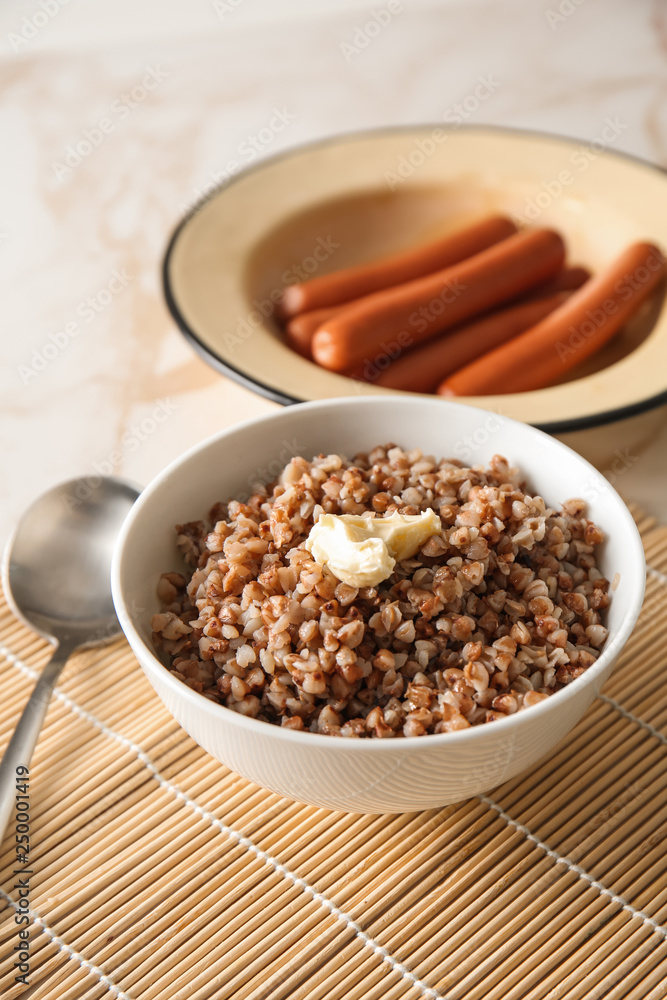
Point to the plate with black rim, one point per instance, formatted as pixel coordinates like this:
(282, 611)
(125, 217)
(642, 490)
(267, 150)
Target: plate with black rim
(360, 196)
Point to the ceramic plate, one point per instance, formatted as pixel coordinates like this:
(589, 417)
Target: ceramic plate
(352, 198)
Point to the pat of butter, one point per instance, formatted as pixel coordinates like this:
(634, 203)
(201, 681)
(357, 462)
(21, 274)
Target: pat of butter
(362, 551)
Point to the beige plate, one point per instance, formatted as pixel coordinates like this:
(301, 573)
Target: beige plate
(355, 197)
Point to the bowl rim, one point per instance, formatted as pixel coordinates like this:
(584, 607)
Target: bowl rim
(279, 396)
(150, 661)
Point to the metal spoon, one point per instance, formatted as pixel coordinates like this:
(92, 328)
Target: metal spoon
(56, 578)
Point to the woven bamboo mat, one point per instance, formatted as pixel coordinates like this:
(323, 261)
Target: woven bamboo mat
(157, 873)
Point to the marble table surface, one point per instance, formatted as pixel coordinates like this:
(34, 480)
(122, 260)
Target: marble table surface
(96, 377)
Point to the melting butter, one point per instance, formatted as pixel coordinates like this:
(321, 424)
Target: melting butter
(362, 551)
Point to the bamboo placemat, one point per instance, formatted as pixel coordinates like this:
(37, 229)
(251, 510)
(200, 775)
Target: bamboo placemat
(157, 873)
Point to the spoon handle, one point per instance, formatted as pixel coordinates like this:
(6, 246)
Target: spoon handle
(20, 748)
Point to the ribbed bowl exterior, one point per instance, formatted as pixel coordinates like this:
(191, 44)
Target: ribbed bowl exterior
(413, 775)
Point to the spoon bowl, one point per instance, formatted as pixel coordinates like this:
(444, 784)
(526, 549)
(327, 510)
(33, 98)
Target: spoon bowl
(56, 572)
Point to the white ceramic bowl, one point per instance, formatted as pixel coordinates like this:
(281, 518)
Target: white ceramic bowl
(373, 776)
